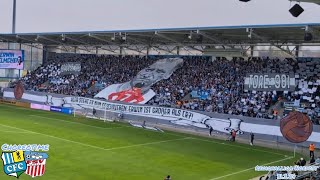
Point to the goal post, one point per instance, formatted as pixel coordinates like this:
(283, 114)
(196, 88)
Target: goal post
(83, 112)
(93, 114)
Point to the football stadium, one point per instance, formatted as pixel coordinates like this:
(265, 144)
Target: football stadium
(144, 90)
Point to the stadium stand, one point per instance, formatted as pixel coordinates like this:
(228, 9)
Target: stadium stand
(205, 84)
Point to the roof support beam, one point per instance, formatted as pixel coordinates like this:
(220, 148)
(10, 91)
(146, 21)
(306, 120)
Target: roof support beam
(218, 41)
(104, 40)
(178, 43)
(271, 44)
(8, 41)
(137, 50)
(58, 42)
(166, 50)
(78, 41)
(98, 38)
(138, 41)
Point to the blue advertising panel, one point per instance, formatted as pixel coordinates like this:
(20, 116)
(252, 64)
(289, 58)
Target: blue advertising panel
(11, 59)
(61, 109)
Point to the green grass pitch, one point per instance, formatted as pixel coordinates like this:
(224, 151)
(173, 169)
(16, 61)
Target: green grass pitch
(94, 150)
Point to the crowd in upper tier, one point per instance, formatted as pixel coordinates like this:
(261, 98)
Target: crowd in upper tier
(202, 83)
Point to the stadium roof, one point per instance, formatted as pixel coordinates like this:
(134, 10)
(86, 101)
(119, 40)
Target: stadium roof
(205, 36)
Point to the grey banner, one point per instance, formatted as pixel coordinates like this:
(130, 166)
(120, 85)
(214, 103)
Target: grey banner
(269, 82)
(70, 68)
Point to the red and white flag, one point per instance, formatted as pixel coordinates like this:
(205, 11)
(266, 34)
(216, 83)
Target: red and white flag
(36, 167)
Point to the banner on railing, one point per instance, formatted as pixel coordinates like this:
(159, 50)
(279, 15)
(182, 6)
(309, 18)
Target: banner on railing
(173, 115)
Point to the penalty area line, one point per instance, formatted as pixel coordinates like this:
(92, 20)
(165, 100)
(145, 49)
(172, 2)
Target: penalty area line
(97, 147)
(71, 122)
(245, 170)
(15, 132)
(242, 147)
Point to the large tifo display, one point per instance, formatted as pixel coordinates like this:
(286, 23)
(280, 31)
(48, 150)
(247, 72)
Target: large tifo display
(172, 115)
(11, 59)
(138, 90)
(270, 82)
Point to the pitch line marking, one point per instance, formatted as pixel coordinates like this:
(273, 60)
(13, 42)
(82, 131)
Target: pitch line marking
(16, 132)
(279, 154)
(119, 125)
(97, 147)
(238, 172)
(124, 126)
(56, 119)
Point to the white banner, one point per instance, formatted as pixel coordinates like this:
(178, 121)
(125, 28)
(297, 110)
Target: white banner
(138, 90)
(173, 115)
(70, 68)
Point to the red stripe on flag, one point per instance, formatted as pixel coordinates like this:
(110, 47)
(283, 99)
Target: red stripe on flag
(35, 171)
(28, 170)
(31, 170)
(39, 170)
(43, 169)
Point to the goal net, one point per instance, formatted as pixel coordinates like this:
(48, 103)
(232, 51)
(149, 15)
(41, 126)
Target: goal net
(83, 112)
(93, 114)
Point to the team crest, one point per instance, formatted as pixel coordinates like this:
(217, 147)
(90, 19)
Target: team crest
(32, 163)
(13, 163)
(36, 163)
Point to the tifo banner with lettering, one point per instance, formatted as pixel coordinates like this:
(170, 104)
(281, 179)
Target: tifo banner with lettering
(182, 117)
(11, 59)
(270, 82)
(138, 90)
(133, 109)
(70, 68)
(173, 115)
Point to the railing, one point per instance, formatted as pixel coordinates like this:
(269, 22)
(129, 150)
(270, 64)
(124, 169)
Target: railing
(308, 174)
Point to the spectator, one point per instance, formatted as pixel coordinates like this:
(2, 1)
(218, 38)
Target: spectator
(251, 138)
(200, 84)
(311, 149)
(301, 162)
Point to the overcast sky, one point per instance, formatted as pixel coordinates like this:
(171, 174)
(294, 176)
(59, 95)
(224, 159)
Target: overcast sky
(100, 15)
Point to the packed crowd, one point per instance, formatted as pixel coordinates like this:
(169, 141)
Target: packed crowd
(220, 85)
(200, 84)
(104, 70)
